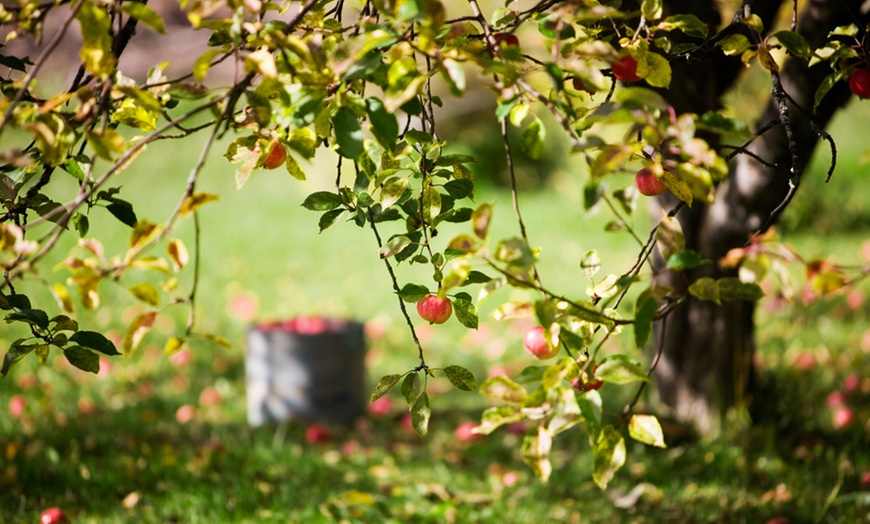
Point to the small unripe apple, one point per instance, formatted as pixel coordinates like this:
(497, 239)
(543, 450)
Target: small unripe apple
(859, 83)
(648, 183)
(538, 344)
(507, 39)
(276, 157)
(625, 69)
(52, 516)
(435, 309)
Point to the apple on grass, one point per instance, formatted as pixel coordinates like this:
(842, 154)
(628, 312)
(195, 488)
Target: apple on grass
(52, 516)
(435, 309)
(648, 183)
(317, 434)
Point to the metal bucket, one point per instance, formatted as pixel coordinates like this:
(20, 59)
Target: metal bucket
(306, 374)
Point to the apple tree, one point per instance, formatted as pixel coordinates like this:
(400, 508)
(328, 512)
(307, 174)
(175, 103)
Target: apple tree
(633, 87)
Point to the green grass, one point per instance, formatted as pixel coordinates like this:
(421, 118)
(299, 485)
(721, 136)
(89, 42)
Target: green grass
(109, 449)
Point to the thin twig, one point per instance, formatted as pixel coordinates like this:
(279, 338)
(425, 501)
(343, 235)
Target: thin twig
(396, 288)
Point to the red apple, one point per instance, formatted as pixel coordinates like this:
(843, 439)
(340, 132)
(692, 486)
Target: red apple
(381, 407)
(435, 309)
(507, 39)
(317, 434)
(842, 417)
(836, 398)
(52, 516)
(276, 157)
(625, 69)
(465, 432)
(538, 344)
(648, 183)
(859, 83)
(17, 405)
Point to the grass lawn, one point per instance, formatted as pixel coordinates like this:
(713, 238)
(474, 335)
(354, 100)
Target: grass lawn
(121, 447)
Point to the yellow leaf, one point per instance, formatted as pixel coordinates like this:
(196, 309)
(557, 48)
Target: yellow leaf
(178, 252)
(137, 330)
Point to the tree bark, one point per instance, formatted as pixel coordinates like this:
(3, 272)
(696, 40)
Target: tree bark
(706, 365)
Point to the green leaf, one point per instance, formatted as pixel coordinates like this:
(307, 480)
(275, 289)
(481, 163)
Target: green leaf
(533, 139)
(590, 407)
(329, 218)
(14, 301)
(384, 386)
(348, 133)
(705, 288)
(35, 317)
(678, 187)
(645, 310)
(686, 259)
(64, 323)
(565, 368)
(202, 64)
(515, 252)
(495, 417)
(827, 83)
(260, 107)
(461, 378)
(688, 24)
(413, 293)
(734, 44)
(83, 359)
(293, 167)
(466, 312)
(95, 341)
(144, 14)
(393, 246)
(431, 204)
(620, 369)
(14, 355)
(123, 211)
(454, 76)
(657, 70)
(385, 127)
(459, 188)
(794, 43)
(304, 141)
(565, 413)
(146, 293)
(609, 456)
(503, 388)
(646, 429)
(733, 289)
(72, 167)
(322, 201)
(651, 9)
(393, 190)
(82, 224)
(536, 451)
(96, 47)
(420, 414)
(411, 387)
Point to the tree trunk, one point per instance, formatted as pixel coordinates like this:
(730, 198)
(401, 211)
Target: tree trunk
(706, 366)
